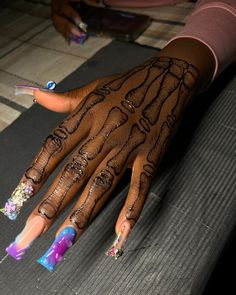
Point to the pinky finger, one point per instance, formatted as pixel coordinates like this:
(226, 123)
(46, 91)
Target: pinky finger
(138, 192)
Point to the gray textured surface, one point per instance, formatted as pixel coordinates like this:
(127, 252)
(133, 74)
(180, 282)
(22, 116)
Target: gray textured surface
(189, 215)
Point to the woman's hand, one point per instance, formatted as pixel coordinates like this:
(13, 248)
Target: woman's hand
(67, 20)
(116, 122)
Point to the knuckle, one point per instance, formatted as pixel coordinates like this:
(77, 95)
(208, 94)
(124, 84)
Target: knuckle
(80, 218)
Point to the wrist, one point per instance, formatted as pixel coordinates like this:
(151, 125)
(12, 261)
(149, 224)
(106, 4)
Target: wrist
(196, 53)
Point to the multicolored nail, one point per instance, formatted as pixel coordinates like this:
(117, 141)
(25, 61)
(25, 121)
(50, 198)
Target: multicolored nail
(21, 194)
(55, 253)
(24, 240)
(79, 39)
(118, 246)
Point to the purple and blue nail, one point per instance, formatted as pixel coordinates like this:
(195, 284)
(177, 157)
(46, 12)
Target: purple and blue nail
(79, 39)
(55, 253)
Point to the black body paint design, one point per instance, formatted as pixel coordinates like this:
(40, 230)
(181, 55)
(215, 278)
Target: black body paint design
(72, 173)
(162, 89)
(93, 146)
(132, 214)
(100, 186)
(136, 138)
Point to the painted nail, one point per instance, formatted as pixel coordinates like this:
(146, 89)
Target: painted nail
(55, 253)
(81, 25)
(29, 90)
(24, 240)
(78, 39)
(21, 194)
(118, 246)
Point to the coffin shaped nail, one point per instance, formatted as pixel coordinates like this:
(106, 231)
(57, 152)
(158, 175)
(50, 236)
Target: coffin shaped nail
(55, 253)
(117, 248)
(24, 240)
(21, 194)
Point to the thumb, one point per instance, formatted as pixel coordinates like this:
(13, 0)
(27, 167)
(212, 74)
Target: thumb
(58, 102)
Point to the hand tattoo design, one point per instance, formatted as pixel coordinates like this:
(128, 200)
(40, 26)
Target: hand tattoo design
(127, 120)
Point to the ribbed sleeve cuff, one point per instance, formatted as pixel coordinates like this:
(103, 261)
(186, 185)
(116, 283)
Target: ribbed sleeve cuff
(216, 28)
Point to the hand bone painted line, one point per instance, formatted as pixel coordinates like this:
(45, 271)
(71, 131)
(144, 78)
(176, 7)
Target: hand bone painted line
(135, 139)
(72, 173)
(72, 123)
(171, 81)
(54, 142)
(100, 186)
(52, 145)
(93, 146)
(144, 186)
(137, 95)
(153, 109)
(115, 119)
(144, 124)
(118, 82)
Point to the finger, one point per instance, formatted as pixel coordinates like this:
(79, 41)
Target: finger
(56, 146)
(64, 8)
(65, 27)
(138, 192)
(74, 175)
(67, 183)
(64, 102)
(71, 13)
(93, 198)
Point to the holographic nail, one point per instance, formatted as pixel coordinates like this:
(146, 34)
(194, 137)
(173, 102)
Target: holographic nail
(55, 253)
(24, 240)
(118, 246)
(21, 194)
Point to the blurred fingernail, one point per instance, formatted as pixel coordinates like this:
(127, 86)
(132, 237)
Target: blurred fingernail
(76, 32)
(55, 253)
(83, 26)
(21, 194)
(25, 89)
(78, 39)
(24, 240)
(118, 246)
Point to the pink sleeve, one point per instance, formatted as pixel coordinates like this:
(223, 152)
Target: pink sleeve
(142, 3)
(214, 24)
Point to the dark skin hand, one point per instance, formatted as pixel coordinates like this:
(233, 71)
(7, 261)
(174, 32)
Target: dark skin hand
(64, 17)
(121, 121)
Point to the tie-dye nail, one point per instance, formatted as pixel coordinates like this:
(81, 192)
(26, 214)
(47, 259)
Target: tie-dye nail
(24, 240)
(55, 253)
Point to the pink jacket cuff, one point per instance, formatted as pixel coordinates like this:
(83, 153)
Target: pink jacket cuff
(214, 24)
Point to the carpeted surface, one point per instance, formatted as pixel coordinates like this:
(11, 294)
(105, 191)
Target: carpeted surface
(187, 220)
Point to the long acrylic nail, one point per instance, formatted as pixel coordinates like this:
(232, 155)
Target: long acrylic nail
(118, 246)
(29, 90)
(21, 194)
(55, 253)
(24, 240)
